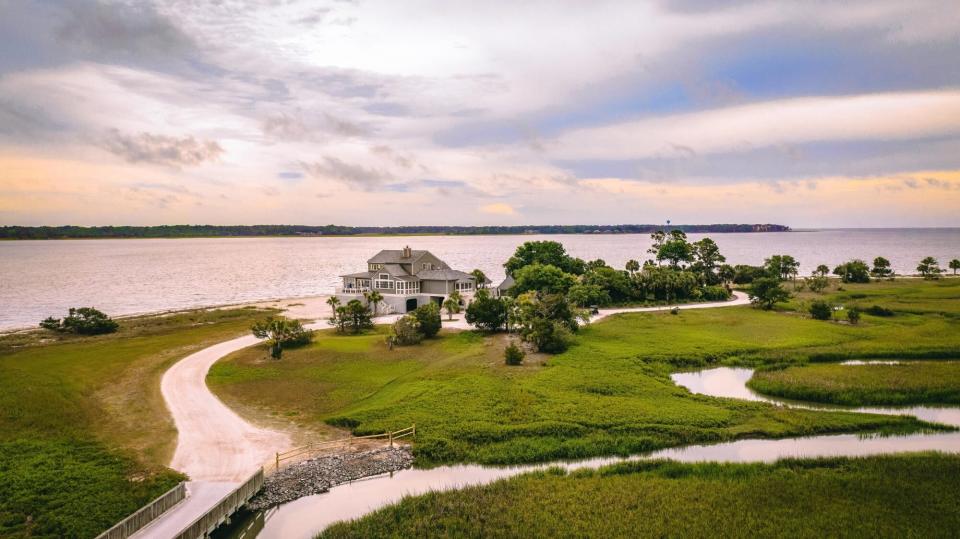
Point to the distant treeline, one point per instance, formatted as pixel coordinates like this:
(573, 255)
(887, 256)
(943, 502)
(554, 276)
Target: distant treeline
(200, 231)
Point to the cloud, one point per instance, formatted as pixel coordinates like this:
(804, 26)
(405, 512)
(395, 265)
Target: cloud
(161, 149)
(352, 175)
(898, 116)
(498, 208)
(134, 31)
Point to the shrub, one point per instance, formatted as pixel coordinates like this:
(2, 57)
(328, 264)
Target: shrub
(715, 293)
(486, 312)
(854, 271)
(744, 274)
(353, 317)
(675, 311)
(281, 332)
(82, 321)
(877, 310)
(766, 291)
(429, 317)
(406, 331)
(853, 315)
(817, 283)
(513, 354)
(821, 310)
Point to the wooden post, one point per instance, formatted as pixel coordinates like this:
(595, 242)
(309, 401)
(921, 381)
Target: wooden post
(414, 431)
(391, 439)
(278, 462)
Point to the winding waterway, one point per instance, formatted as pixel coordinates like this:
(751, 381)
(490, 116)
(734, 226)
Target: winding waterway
(305, 517)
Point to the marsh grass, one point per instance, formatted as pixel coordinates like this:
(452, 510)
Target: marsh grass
(916, 382)
(609, 394)
(890, 496)
(84, 432)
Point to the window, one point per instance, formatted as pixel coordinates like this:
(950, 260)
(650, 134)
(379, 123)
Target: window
(406, 287)
(375, 267)
(464, 286)
(383, 281)
(424, 265)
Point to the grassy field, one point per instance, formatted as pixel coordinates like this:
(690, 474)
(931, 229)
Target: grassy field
(917, 382)
(894, 496)
(609, 394)
(84, 432)
(910, 296)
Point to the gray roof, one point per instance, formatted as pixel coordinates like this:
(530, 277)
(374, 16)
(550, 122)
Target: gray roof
(444, 275)
(507, 283)
(360, 275)
(395, 256)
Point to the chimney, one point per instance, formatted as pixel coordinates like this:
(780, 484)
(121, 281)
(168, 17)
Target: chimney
(407, 253)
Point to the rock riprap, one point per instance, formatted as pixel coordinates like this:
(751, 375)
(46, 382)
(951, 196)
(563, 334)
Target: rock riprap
(318, 475)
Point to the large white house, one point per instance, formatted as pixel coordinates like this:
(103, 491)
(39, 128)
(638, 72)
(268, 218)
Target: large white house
(406, 279)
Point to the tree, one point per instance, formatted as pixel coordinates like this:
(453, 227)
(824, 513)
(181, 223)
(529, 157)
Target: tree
(854, 271)
(513, 354)
(853, 315)
(542, 277)
(632, 266)
(881, 268)
(406, 330)
(818, 283)
(333, 302)
(954, 265)
(726, 273)
(821, 310)
(280, 332)
(543, 252)
(675, 249)
(373, 299)
(480, 278)
(822, 270)
(82, 321)
(585, 295)
(547, 321)
(744, 274)
(429, 316)
(929, 268)
(782, 267)
(615, 283)
(765, 292)
(486, 312)
(354, 316)
(452, 306)
(707, 257)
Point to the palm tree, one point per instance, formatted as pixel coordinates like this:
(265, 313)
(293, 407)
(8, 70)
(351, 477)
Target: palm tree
(929, 267)
(633, 266)
(452, 306)
(373, 298)
(333, 302)
(480, 278)
(954, 265)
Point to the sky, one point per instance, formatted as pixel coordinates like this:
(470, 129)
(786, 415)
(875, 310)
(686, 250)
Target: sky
(805, 113)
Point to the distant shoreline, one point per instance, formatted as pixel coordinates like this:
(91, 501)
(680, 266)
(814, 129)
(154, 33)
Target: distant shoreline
(295, 231)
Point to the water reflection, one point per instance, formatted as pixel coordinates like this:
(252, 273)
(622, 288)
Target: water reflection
(305, 517)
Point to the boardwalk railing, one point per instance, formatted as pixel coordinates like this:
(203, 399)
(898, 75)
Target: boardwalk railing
(227, 506)
(147, 514)
(317, 447)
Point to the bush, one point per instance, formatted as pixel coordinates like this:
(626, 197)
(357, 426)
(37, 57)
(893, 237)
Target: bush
(82, 321)
(854, 271)
(715, 293)
(765, 292)
(353, 317)
(513, 354)
(486, 312)
(281, 333)
(853, 315)
(429, 317)
(877, 310)
(406, 331)
(821, 310)
(744, 274)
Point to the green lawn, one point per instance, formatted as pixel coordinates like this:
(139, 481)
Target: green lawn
(609, 394)
(84, 432)
(917, 382)
(916, 296)
(893, 496)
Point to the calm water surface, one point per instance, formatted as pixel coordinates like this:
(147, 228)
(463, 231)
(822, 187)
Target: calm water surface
(305, 517)
(43, 278)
